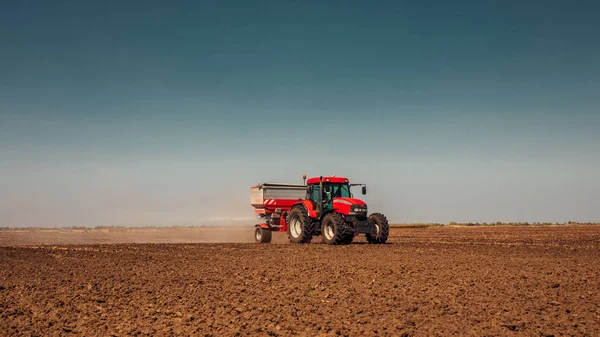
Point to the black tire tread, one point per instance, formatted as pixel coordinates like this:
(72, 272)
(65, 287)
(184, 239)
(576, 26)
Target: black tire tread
(265, 234)
(307, 224)
(340, 235)
(384, 229)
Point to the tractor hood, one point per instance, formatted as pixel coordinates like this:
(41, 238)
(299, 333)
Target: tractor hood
(348, 201)
(350, 206)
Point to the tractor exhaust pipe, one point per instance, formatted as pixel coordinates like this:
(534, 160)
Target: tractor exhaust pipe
(320, 197)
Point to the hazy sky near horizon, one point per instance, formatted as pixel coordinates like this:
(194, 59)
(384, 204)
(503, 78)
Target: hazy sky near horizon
(156, 113)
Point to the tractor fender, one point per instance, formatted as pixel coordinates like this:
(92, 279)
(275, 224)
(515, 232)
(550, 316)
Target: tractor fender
(327, 211)
(263, 225)
(308, 205)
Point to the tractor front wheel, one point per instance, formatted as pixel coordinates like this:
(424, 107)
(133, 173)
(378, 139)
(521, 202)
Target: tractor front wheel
(262, 235)
(382, 228)
(333, 230)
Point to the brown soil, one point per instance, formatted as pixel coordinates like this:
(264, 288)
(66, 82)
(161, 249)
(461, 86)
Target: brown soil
(505, 281)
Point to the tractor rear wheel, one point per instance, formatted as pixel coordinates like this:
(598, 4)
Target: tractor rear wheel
(382, 229)
(333, 229)
(262, 235)
(300, 226)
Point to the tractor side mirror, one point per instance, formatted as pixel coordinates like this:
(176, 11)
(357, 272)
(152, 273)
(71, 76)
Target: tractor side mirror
(364, 190)
(309, 189)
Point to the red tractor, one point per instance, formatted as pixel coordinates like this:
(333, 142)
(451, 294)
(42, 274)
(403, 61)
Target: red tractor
(321, 206)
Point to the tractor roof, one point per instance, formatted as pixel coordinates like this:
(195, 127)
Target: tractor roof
(327, 179)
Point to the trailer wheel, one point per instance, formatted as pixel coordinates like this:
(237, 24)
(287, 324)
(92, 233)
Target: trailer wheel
(382, 229)
(333, 229)
(262, 235)
(300, 226)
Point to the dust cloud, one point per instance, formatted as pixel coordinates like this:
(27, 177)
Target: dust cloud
(16, 237)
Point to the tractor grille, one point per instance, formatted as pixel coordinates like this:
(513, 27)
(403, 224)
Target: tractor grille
(364, 227)
(361, 225)
(355, 218)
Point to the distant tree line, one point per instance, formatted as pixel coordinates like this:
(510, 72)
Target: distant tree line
(498, 223)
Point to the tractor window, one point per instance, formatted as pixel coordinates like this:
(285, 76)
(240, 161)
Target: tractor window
(330, 190)
(340, 191)
(315, 193)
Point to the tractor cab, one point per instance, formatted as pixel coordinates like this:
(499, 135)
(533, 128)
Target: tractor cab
(330, 191)
(333, 193)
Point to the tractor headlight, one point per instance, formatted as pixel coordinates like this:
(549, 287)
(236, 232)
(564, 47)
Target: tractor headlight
(359, 209)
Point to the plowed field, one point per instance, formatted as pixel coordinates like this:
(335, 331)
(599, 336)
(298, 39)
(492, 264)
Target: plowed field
(492, 281)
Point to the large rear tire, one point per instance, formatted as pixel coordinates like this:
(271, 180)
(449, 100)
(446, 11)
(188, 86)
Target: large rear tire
(262, 235)
(382, 229)
(333, 229)
(300, 225)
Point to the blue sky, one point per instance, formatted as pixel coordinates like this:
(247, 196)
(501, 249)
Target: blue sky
(129, 113)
